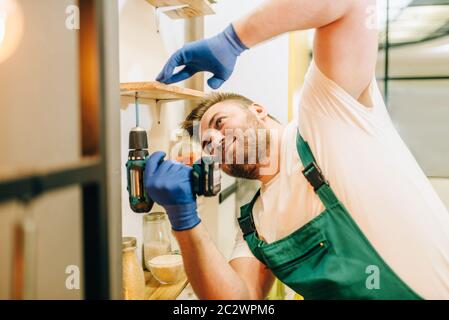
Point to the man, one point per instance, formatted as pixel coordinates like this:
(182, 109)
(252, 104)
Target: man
(348, 213)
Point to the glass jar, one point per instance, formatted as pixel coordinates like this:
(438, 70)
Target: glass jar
(133, 276)
(156, 236)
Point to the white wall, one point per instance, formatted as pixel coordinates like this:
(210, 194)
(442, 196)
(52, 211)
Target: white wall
(261, 73)
(143, 53)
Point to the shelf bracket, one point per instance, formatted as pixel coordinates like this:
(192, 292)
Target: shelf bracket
(159, 104)
(159, 10)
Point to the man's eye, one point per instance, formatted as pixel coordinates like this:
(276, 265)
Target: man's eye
(219, 122)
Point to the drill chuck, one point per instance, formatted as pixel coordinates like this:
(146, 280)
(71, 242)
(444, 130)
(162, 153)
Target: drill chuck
(138, 139)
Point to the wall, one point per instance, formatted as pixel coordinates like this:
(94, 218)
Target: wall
(39, 128)
(143, 53)
(262, 72)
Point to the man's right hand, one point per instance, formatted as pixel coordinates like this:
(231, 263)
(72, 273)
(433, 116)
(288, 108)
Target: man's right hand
(169, 184)
(217, 55)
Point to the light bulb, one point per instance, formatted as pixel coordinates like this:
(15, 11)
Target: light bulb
(11, 28)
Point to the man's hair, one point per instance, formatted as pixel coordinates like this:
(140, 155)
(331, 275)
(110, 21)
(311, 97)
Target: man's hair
(210, 100)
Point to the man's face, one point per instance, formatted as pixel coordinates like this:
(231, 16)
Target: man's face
(236, 134)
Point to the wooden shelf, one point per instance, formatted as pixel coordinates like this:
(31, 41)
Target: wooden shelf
(159, 91)
(157, 291)
(196, 8)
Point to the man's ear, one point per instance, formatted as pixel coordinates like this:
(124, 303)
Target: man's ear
(259, 111)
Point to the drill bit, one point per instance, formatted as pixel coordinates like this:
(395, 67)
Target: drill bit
(136, 102)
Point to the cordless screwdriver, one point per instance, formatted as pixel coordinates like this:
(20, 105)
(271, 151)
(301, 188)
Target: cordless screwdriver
(137, 157)
(206, 174)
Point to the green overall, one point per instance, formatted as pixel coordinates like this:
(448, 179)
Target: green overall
(329, 257)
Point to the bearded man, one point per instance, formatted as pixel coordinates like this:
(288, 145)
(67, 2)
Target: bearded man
(344, 210)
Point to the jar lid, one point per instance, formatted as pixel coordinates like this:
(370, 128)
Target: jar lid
(154, 216)
(129, 242)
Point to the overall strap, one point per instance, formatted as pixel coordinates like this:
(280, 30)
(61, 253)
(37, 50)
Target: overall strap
(246, 220)
(313, 173)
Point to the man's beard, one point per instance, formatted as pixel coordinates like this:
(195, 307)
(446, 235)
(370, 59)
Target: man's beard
(246, 170)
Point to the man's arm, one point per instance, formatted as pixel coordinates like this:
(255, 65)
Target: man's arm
(169, 184)
(213, 278)
(345, 44)
(255, 274)
(346, 39)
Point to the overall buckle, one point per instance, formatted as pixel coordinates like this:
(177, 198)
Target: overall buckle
(315, 176)
(247, 225)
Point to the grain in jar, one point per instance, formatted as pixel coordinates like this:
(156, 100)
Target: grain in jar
(133, 276)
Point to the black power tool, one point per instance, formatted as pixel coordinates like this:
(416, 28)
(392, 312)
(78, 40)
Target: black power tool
(206, 175)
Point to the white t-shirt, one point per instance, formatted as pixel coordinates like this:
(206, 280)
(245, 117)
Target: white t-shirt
(373, 174)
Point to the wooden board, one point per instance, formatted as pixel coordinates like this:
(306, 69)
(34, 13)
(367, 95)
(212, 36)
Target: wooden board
(196, 8)
(159, 91)
(157, 291)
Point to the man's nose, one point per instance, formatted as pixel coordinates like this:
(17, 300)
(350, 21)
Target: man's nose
(214, 140)
(217, 140)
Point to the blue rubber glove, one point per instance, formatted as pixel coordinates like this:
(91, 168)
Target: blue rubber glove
(217, 55)
(170, 185)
